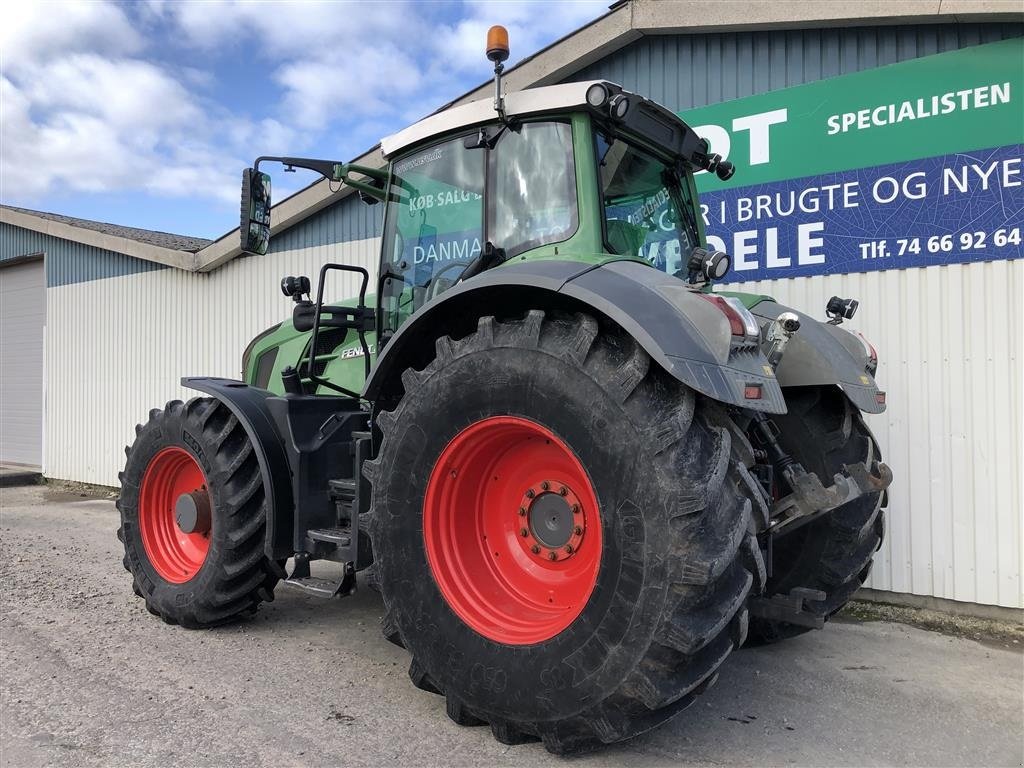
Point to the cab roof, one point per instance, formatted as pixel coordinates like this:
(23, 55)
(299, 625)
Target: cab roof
(644, 117)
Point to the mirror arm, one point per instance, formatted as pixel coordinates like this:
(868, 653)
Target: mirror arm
(333, 171)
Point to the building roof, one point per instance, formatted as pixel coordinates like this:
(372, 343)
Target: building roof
(160, 247)
(149, 236)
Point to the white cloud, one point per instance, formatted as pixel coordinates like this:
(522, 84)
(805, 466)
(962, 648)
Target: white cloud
(103, 97)
(288, 30)
(81, 114)
(36, 32)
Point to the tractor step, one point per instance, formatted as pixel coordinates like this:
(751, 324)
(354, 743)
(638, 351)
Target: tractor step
(339, 537)
(314, 586)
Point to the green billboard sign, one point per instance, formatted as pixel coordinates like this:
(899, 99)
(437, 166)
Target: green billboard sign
(912, 164)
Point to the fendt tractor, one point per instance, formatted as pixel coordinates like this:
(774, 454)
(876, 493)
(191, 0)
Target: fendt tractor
(577, 475)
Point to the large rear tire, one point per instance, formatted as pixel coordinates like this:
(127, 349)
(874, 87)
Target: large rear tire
(194, 466)
(611, 629)
(823, 431)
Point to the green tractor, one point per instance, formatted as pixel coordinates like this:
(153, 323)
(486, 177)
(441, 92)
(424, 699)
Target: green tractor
(578, 481)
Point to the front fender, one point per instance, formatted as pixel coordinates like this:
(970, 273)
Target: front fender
(249, 405)
(685, 335)
(820, 354)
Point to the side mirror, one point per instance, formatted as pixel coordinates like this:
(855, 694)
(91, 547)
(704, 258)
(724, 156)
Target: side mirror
(255, 223)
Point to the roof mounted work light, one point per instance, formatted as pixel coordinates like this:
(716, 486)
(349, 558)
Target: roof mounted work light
(597, 95)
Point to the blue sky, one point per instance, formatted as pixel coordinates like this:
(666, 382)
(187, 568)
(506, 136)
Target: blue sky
(145, 113)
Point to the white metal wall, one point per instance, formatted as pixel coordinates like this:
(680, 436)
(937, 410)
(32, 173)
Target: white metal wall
(949, 340)
(117, 347)
(950, 347)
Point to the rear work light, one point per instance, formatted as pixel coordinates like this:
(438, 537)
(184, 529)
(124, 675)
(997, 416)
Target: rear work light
(742, 323)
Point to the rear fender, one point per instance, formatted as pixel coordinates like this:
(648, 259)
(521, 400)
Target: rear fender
(249, 405)
(685, 335)
(820, 354)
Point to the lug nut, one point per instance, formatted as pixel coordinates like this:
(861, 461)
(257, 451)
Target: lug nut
(535, 549)
(568, 548)
(530, 493)
(522, 511)
(523, 532)
(545, 485)
(577, 530)
(552, 556)
(563, 491)
(575, 509)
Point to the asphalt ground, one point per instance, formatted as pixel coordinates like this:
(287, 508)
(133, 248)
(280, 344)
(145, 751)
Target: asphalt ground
(89, 678)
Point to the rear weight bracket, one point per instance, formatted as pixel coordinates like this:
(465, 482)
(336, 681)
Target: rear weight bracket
(790, 608)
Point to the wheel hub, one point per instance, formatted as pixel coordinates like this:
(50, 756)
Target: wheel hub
(555, 521)
(192, 511)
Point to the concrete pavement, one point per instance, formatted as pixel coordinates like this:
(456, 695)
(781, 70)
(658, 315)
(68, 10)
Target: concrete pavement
(89, 678)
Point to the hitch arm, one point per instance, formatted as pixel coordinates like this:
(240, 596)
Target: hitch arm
(810, 498)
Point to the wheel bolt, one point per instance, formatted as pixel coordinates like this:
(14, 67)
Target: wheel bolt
(568, 548)
(522, 511)
(545, 485)
(552, 556)
(563, 491)
(577, 530)
(530, 493)
(575, 509)
(535, 549)
(523, 532)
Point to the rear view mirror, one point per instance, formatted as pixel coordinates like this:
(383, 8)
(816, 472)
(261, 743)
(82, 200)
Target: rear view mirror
(255, 224)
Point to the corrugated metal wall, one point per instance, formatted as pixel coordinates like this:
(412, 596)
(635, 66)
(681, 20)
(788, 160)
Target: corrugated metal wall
(688, 71)
(69, 261)
(951, 355)
(950, 362)
(117, 347)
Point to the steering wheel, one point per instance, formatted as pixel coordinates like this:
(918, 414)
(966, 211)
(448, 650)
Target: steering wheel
(434, 286)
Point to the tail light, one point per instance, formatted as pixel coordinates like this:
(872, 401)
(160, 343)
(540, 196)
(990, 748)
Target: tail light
(742, 323)
(869, 350)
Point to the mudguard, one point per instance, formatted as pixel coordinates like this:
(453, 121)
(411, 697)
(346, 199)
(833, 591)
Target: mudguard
(822, 354)
(249, 405)
(684, 334)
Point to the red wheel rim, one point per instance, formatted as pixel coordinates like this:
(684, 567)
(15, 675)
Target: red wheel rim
(494, 525)
(177, 556)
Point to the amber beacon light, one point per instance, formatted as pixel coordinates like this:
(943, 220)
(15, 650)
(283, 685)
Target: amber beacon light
(497, 44)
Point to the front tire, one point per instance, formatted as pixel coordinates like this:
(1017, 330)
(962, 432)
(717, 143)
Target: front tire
(653, 596)
(194, 466)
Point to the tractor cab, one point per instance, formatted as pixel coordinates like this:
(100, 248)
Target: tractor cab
(584, 171)
(581, 172)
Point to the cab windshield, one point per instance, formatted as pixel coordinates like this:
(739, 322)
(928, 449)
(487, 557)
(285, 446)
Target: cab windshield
(436, 223)
(648, 209)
